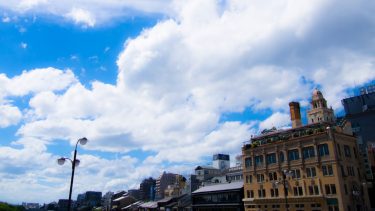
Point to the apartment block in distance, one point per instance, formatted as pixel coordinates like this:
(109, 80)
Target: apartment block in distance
(314, 167)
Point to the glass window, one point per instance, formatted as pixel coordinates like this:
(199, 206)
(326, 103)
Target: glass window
(347, 151)
(298, 191)
(274, 192)
(296, 173)
(281, 157)
(323, 149)
(330, 189)
(355, 152)
(313, 190)
(327, 170)
(339, 149)
(248, 162)
(258, 160)
(293, 154)
(308, 152)
(271, 158)
(310, 172)
(261, 193)
(260, 177)
(272, 176)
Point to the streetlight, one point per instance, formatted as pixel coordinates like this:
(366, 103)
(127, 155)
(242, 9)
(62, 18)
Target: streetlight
(286, 173)
(75, 163)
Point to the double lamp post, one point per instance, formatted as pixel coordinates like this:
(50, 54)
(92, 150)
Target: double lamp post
(284, 182)
(75, 162)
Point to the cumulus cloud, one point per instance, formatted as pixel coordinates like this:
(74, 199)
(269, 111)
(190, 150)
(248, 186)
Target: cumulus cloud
(276, 120)
(81, 16)
(9, 115)
(86, 12)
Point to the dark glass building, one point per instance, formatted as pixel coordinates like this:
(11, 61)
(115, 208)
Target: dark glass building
(147, 189)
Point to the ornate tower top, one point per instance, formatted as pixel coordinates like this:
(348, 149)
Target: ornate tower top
(319, 111)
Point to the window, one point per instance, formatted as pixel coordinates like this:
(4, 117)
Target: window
(342, 171)
(248, 162)
(355, 152)
(338, 149)
(272, 176)
(330, 189)
(258, 160)
(249, 178)
(350, 170)
(261, 193)
(260, 177)
(296, 173)
(323, 149)
(271, 158)
(308, 152)
(298, 191)
(250, 194)
(313, 190)
(347, 151)
(310, 172)
(333, 208)
(274, 192)
(327, 170)
(281, 157)
(293, 154)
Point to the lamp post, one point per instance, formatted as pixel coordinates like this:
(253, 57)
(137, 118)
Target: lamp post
(286, 173)
(75, 162)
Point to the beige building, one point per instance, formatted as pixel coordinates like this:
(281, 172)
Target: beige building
(314, 167)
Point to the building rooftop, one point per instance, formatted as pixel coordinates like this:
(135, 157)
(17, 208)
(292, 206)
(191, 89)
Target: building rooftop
(205, 167)
(220, 187)
(150, 204)
(287, 134)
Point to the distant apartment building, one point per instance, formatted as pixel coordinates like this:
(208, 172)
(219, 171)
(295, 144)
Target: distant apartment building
(147, 189)
(31, 206)
(315, 167)
(162, 183)
(206, 172)
(107, 201)
(89, 199)
(177, 189)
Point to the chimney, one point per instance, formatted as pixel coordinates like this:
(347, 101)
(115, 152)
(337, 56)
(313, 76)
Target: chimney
(295, 114)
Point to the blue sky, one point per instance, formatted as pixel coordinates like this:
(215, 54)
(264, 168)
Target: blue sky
(162, 85)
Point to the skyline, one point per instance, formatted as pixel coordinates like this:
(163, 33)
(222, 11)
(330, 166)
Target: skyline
(162, 85)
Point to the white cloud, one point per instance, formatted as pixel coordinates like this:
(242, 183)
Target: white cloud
(74, 58)
(81, 16)
(9, 115)
(5, 19)
(39, 80)
(277, 120)
(23, 45)
(89, 13)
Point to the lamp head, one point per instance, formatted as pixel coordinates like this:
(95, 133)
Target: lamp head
(83, 141)
(77, 163)
(61, 161)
